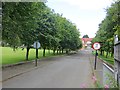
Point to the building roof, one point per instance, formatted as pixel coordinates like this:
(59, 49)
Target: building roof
(86, 39)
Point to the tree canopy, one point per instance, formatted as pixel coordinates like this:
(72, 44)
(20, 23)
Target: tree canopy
(86, 36)
(108, 28)
(27, 22)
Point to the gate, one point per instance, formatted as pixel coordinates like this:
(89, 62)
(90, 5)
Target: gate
(117, 60)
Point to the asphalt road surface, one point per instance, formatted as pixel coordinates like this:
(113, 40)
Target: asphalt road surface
(71, 71)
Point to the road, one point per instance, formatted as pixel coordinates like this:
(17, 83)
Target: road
(71, 71)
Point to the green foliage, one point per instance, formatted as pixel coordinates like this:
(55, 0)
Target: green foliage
(108, 28)
(111, 81)
(19, 21)
(109, 59)
(86, 36)
(26, 22)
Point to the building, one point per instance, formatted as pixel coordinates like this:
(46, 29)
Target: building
(86, 42)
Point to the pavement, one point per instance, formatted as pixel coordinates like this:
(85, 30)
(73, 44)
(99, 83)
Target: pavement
(69, 71)
(98, 73)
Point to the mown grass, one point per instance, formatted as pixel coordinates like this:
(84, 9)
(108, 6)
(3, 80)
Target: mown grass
(11, 57)
(109, 59)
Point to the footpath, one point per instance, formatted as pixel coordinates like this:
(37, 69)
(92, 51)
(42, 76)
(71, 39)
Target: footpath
(98, 73)
(104, 73)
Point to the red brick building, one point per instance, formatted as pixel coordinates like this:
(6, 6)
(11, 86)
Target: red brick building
(86, 42)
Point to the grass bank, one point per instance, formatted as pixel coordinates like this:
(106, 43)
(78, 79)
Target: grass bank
(109, 59)
(11, 57)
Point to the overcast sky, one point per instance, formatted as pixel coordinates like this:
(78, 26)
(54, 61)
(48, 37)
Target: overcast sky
(86, 14)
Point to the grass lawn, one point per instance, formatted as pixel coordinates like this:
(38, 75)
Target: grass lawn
(10, 57)
(109, 59)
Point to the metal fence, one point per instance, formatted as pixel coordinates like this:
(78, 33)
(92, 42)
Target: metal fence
(108, 74)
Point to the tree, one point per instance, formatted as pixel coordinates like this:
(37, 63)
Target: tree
(108, 28)
(86, 36)
(26, 22)
(19, 23)
(46, 29)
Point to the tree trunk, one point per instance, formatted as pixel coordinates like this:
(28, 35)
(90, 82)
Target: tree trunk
(107, 51)
(66, 51)
(62, 51)
(101, 52)
(107, 54)
(57, 51)
(14, 48)
(27, 53)
(54, 51)
(112, 52)
(44, 52)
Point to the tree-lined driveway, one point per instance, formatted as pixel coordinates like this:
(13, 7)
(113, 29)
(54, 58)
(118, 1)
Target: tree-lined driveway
(71, 71)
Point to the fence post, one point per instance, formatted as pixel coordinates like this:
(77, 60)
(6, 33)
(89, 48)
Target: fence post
(117, 59)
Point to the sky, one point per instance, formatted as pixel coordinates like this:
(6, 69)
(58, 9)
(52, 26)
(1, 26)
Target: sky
(85, 14)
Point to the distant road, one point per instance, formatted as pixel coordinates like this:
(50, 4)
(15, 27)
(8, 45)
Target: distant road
(72, 71)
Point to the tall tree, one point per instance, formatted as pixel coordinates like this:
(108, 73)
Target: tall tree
(19, 23)
(86, 36)
(108, 28)
(26, 22)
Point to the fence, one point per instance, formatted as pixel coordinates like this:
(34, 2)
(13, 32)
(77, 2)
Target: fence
(117, 60)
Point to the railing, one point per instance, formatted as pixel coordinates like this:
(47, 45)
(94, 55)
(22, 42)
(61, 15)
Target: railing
(107, 73)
